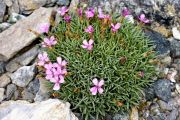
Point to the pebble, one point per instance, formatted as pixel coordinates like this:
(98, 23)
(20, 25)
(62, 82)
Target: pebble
(134, 114)
(4, 26)
(2, 67)
(176, 33)
(178, 88)
(11, 88)
(124, 116)
(162, 89)
(33, 86)
(14, 17)
(1, 94)
(164, 106)
(23, 75)
(4, 80)
(27, 95)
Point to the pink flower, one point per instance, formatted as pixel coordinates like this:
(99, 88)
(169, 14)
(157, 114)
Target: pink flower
(67, 18)
(101, 15)
(143, 19)
(57, 82)
(49, 42)
(61, 62)
(43, 58)
(125, 12)
(90, 13)
(89, 29)
(88, 45)
(80, 11)
(115, 27)
(49, 73)
(97, 86)
(63, 10)
(44, 28)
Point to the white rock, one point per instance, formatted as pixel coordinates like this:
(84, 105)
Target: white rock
(18, 36)
(52, 109)
(1, 95)
(176, 33)
(23, 75)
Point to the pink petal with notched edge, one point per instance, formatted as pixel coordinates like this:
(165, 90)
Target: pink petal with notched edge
(101, 83)
(95, 81)
(84, 46)
(91, 42)
(56, 86)
(100, 90)
(59, 60)
(142, 16)
(41, 63)
(90, 47)
(117, 26)
(61, 79)
(93, 90)
(64, 63)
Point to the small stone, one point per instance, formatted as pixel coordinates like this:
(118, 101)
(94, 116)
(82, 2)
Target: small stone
(166, 60)
(2, 10)
(34, 86)
(63, 2)
(154, 106)
(162, 30)
(23, 75)
(171, 75)
(130, 19)
(10, 91)
(162, 45)
(4, 80)
(175, 48)
(4, 26)
(162, 89)
(13, 6)
(23, 59)
(27, 95)
(175, 102)
(173, 115)
(14, 17)
(178, 88)
(16, 95)
(134, 114)
(124, 116)
(164, 106)
(2, 67)
(43, 93)
(176, 33)
(149, 93)
(1, 94)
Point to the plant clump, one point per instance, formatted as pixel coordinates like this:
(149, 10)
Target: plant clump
(98, 63)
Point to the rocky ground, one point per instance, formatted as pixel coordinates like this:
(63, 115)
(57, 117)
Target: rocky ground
(19, 47)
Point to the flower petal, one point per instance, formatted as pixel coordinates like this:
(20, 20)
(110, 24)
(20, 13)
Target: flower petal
(100, 90)
(101, 83)
(95, 81)
(93, 90)
(91, 41)
(56, 86)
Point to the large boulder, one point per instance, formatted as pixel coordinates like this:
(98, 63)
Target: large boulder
(19, 36)
(52, 109)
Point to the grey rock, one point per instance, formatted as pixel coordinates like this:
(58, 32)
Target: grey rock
(23, 59)
(43, 92)
(176, 33)
(164, 106)
(63, 2)
(4, 80)
(2, 10)
(175, 102)
(175, 48)
(18, 35)
(30, 5)
(2, 67)
(26, 95)
(4, 26)
(13, 6)
(149, 93)
(173, 115)
(124, 116)
(1, 94)
(23, 75)
(10, 91)
(162, 89)
(33, 86)
(16, 95)
(14, 17)
(162, 45)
